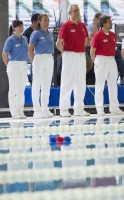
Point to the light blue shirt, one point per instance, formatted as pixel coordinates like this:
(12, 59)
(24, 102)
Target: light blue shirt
(43, 42)
(17, 48)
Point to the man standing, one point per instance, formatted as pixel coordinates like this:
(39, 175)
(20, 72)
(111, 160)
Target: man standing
(102, 53)
(71, 42)
(33, 27)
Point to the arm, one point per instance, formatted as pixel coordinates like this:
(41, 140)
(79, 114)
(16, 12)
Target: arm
(31, 51)
(122, 53)
(87, 41)
(92, 53)
(5, 58)
(60, 44)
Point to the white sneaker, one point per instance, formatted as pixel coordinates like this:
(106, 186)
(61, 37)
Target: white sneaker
(81, 113)
(47, 114)
(37, 115)
(117, 112)
(101, 113)
(65, 113)
(16, 117)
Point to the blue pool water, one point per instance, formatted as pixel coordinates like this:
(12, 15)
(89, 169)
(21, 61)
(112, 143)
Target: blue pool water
(92, 159)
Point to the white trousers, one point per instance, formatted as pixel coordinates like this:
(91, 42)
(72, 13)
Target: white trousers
(73, 77)
(17, 75)
(42, 76)
(105, 68)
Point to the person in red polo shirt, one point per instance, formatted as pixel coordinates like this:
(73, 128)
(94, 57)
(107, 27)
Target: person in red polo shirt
(102, 52)
(71, 42)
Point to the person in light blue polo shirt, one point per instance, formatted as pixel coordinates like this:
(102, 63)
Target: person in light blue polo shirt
(15, 55)
(41, 48)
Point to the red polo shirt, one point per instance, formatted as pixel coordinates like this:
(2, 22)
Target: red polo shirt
(104, 44)
(74, 36)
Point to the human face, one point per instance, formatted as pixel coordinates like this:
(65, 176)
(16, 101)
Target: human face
(19, 29)
(35, 24)
(44, 23)
(75, 12)
(96, 20)
(108, 24)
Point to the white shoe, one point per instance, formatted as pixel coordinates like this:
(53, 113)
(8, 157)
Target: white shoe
(47, 114)
(37, 115)
(117, 112)
(81, 113)
(101, 113)
(65, 113)
(16, 117)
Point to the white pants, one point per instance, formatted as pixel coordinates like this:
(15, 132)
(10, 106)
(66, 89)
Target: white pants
(105, 68)
(73, 77)
(42, 76)
(17, 75)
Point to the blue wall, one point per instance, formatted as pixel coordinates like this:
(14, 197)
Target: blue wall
(89, 98)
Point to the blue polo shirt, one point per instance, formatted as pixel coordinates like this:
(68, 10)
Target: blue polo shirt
(17, 48)
(43, 42)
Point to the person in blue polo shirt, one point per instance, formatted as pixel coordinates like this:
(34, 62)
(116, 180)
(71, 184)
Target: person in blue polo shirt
(41, 48)
(15, 55)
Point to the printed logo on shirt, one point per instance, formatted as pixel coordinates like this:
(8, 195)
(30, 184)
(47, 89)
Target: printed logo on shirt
(72, 30)
(18, 45)
(42, 38)
(105, 40)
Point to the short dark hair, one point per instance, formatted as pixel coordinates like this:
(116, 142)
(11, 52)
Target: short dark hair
(98, 15)
(35, 17)
(16, 23)
(103, 20)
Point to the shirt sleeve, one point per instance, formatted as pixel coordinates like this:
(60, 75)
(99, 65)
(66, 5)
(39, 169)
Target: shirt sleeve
(8, 45)
(95, 41)
(85, 29)
(33, 37)
(62, 32)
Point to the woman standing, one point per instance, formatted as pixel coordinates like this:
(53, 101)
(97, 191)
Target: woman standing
(15, 55)
(41, 48)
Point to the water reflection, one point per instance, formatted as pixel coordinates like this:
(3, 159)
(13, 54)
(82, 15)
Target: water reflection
(62, 184)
